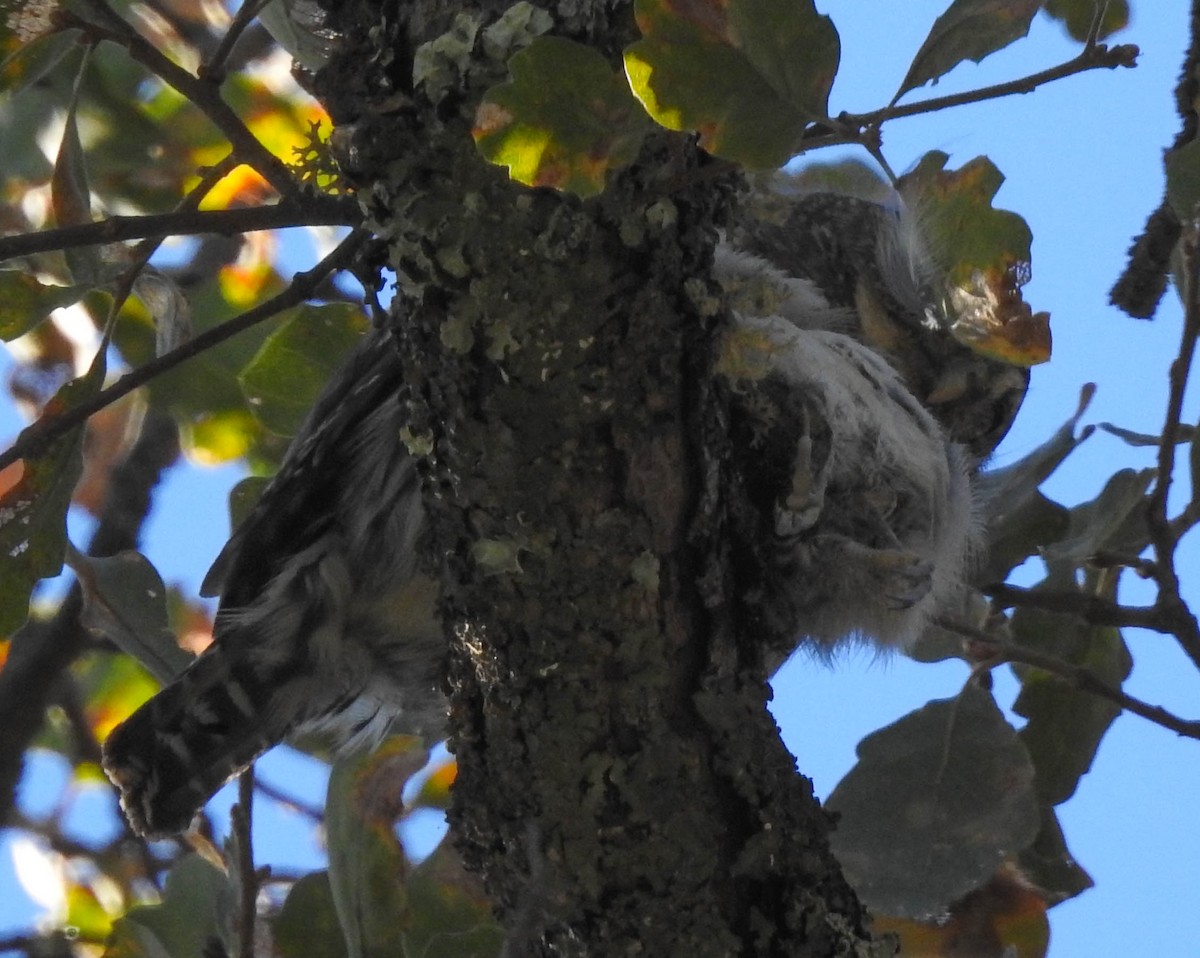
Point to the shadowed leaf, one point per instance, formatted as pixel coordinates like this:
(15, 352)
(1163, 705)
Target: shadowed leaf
(747, 76)
(969, 30)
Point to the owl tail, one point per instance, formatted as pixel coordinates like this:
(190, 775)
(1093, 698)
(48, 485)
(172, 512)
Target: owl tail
(190, 739)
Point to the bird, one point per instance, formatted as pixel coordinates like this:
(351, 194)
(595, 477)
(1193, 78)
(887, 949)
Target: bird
(855, 489)
(324, 620)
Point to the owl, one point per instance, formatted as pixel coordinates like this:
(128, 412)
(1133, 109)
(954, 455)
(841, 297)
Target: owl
(857, 427)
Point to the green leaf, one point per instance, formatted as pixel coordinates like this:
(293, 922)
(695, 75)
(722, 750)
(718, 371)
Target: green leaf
(936, 802)
(1049, 865)
(957, 212)
(197, 902)
(287, 374)
(33, 513)
(367, 865)
(1065, 726)
(71, 196)
(747, 75)
(564, 120)
(1194, 464)
(1183, 179)
(450, 911)
(984, 253)
(1020, 520)
(25, 302)
(31, 61)
(969, 30)
(1114, 520)
(125, 600)
(1077, 16)
(307, 924)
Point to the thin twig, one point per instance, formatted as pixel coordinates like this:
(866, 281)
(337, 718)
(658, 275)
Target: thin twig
(36, 436)
(242, 819)
(213, 70)
(1182, 623)
(1097, 57)
(204, 96)
(1076, 676)
(276, 794)
(1090, 608)
(310, 211)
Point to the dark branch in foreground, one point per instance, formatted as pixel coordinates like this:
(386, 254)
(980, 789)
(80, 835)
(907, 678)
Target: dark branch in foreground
(312, 210)
(1093, 57)
(1076, 676)
(38, 435)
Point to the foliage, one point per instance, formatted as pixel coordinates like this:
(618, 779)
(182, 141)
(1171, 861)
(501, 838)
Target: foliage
(751, 82)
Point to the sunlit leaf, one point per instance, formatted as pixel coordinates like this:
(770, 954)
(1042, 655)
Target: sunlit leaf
(1004, 919)
(985, 252)
(564, 120)
(113, 687)
(747, 75)
(86, 914)
(435, 790)
(968, 30)
(33, 513)
(1077, 16)
(287, 374)
(936, 802)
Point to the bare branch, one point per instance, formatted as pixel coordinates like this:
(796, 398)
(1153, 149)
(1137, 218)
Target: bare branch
(1094, 57)
(1076, 676)
(213, 70)
(304, 211)
(1090, 608)
(242, 817)
(1182, 623)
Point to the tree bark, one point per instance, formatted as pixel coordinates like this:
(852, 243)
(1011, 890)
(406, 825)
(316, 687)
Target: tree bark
(622, 787)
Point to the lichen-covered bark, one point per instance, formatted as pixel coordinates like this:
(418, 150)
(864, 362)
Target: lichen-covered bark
(621, 787)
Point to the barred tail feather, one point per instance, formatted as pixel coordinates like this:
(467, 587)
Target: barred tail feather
(169, 757)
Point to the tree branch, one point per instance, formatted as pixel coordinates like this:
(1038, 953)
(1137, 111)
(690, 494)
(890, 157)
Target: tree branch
(36, 436)
(247, 878)
(309, 210)
(1182, 623)
(203, 95)
(1090, 608)
(1077, 676)
(1092, 57)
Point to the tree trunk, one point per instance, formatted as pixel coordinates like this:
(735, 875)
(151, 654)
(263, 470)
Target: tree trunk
(622, 787)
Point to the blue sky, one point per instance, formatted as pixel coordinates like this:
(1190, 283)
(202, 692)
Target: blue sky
(1082, 159)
